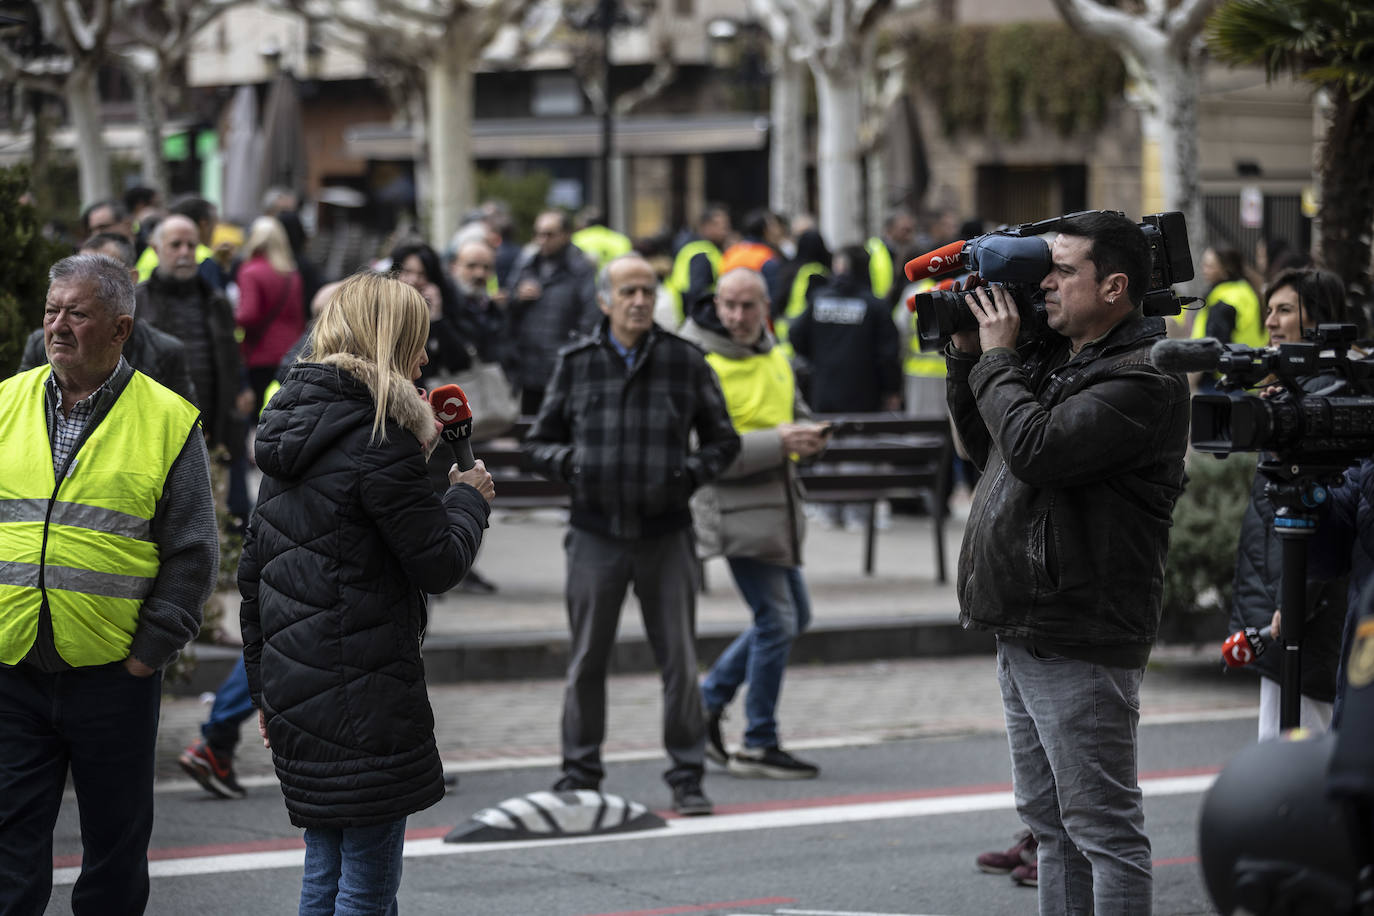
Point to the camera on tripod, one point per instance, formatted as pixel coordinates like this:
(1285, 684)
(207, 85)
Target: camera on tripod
(1018, 259)
(1327, 426)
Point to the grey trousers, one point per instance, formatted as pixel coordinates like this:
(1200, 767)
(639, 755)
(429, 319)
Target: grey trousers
(663, 570)
(1072, 729)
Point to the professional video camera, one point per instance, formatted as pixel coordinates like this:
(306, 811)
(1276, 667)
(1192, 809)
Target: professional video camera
(1327, 427)
(1018, 259)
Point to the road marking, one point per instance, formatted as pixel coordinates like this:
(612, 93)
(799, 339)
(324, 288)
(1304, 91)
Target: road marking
(841, 913)
(553, 761)
(703, 907)
(427, 843)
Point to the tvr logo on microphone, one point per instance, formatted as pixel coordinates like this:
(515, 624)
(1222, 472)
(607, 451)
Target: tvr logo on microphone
(450, 410)
(937, 265)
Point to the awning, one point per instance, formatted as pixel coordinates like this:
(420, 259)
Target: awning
(551, 138)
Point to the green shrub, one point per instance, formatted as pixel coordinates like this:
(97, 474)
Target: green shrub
(25, 256)
(1203, 542)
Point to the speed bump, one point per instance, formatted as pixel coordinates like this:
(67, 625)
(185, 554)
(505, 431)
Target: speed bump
(546, 815)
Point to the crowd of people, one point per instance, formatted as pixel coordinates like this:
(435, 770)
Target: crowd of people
(673, 388)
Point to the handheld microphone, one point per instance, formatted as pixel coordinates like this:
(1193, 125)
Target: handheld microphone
(943, 260)
(1244, 646)
(451, 408)
(1201, 355)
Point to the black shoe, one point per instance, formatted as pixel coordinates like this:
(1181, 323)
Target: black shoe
(569, 783)
(715, 744)
(689, 800)
(770, 763)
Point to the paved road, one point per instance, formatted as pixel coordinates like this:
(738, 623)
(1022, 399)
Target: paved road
(891, 829)
(915, 783)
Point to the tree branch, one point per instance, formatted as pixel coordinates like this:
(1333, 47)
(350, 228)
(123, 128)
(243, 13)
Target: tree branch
(1186, 21)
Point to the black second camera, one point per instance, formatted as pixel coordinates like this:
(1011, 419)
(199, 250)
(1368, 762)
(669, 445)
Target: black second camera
(1328, 426)
(1018, 259)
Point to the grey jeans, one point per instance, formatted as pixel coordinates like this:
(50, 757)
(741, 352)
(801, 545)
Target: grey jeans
(1072, 729)
(664, 572)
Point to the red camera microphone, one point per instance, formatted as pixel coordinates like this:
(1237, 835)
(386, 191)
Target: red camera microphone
(943, 260)
(452, 409)
(1244, 646)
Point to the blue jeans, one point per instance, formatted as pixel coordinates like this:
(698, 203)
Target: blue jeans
(233, 704)
(1072, 729)
(782, 610)
(352, 871)
(101, 723)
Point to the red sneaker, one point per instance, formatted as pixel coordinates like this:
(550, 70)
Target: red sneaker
(214, 772)
(1026, 875)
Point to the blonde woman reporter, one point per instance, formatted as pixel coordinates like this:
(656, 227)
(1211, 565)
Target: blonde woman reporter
(270, 310)
(347, 538)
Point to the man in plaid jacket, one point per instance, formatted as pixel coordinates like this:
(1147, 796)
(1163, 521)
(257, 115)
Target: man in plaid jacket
(616, 424)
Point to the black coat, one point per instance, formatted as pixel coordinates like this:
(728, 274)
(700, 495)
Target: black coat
(1256, 592)
(347, 539)
(1082, 460)
(850, 340)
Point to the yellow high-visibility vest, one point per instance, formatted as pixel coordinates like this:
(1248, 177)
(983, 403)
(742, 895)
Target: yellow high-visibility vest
(680, 277)
(917, 363)
(1240, 296)
(759, 390)
(85, 542)
(796, 303)
(601, 244)
(880, 268)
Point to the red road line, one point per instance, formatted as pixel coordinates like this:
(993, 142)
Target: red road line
(424, 833)
(1180, 860)
(702, 907)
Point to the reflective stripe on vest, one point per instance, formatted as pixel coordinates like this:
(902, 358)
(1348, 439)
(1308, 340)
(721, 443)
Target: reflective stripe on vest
(759, 390)
(796, 303)
(879, 267)
(85, 544)
(680, 277)
(1240, 296)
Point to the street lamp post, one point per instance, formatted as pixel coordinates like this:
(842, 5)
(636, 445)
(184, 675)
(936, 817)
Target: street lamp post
(606, 13)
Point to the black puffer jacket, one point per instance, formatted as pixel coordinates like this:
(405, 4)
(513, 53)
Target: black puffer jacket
(347, 538)
(1082, 458)
(1256, 593)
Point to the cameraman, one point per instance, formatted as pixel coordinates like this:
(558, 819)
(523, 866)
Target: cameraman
(1296, 299)
(1081, 443)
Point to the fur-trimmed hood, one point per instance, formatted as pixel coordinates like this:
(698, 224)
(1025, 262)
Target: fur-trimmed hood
(321, 402)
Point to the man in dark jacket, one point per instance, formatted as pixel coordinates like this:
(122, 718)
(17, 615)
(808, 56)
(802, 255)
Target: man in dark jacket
(616, 424)
(1081, 440)
(851, 343)
(553, 304)
(177, 300)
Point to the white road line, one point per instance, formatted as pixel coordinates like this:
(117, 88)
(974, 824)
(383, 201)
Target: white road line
(839, 741)
(677, 828)
(841, 913)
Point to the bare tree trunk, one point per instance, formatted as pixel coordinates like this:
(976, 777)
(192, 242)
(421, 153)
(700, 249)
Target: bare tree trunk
(93, 163)
(148, 104)
(450, 85)
(786, 159)
(839, 114)
(1176, 121)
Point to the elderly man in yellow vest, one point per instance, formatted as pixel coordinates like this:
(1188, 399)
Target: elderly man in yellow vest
(108, 551)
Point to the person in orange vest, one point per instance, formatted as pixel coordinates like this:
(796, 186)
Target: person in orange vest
(757, 249)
